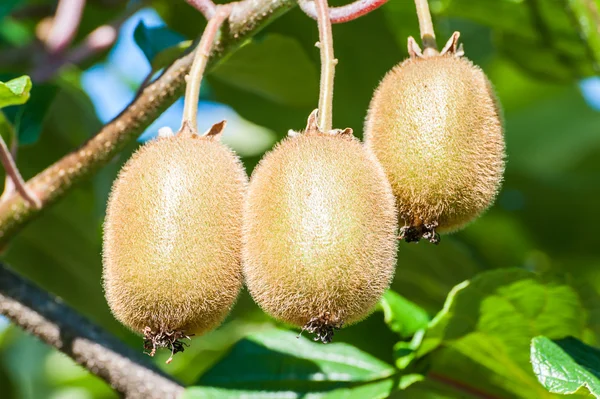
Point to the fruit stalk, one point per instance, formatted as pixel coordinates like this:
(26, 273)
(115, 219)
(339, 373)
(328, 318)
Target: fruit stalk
(328, 63)
(194, 78)
(426, 27)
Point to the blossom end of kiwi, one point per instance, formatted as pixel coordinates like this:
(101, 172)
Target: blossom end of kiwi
(323, 326)
(426, 231)
(172, 340)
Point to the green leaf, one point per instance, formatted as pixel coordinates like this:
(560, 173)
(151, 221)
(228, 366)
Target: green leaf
(586, 15)
(482, 336)
(550, 39)
(275, 67)
(566, 365)
(15, 91)
(29, 118)
(406, 352)
(280, 361)
(547, 150)
(208, 350)
(401, 315)
(375, 390)
(6, 7)
(427, 273)
(159, 40)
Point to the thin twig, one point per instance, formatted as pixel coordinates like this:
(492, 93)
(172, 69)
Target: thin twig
(206, 7)
(97, 41)
(46, 317)
(9, 185)
(54, 182)
(426, 28)
(349, 12)
(18, 182)
(64, 25)
(328, 63)
(202, 52)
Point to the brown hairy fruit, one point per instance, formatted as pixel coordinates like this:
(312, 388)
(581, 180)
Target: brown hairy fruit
(172, 238)
(435, 126)
(320, 230)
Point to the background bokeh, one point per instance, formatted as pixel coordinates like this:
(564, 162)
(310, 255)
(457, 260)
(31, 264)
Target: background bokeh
(540, 58)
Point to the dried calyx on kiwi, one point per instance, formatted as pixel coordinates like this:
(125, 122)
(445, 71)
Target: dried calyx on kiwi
(172, 238)
(435, 125)
(320, 229)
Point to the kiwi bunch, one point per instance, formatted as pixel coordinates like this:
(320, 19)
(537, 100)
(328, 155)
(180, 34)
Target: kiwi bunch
(315, 232)
(434, 123)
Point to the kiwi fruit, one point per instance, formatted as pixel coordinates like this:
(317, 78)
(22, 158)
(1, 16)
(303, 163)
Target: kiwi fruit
(172, 238)
(434, 123)
(320, 231)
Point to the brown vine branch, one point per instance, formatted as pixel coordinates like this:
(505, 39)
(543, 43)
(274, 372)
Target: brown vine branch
(46, 317)
(328, 63)
(245, 20)
(202, 52)
(206, 7)
(342, 14)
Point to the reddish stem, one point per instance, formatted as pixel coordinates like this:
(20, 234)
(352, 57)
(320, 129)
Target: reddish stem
(460, 386)
(100, 39)
(342, 14)
(97, 41)
(64, 25)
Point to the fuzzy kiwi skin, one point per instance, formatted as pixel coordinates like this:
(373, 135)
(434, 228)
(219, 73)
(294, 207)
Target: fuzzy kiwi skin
(434, 124)
(320, 229)
(172, 236)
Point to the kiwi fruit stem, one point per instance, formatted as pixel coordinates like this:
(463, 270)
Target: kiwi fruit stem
(328, 63)
(194, 78)
(426, 28)
(451, 47)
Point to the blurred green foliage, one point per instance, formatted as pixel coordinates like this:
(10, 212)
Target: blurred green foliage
(530, 266)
